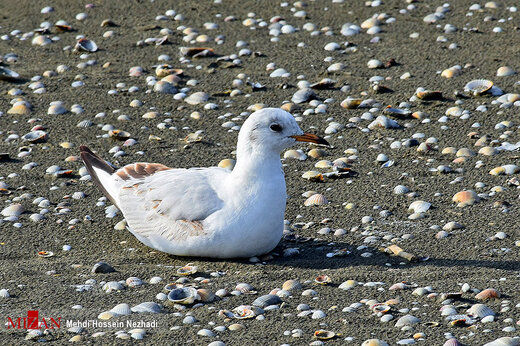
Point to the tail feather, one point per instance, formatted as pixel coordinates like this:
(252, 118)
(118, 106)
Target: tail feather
(100, 171)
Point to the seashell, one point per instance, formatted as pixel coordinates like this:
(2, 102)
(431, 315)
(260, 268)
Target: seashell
(4, 293)
(316, 199)
(498, 171)
(8, 75)
(76, 329)
(243, 312)
(206, 296)
(164, 87)
(106, 315)
(428, 95)
(407, 320)
(291, 285)
(419, 206)
(348, 285)
(187, 270)
(266, 300)
(398, 286)
(505, 71)
(325, 83)
(112, 286)
(245, 288)
(383, 122)
(197, 98)
(448, 310)
(452, 342)
(374, 63)
(451, 72)
(478, 87)
(380, 308)
(480, 310)
(205, 332)
(37, 136)
(317, 153)
(155, 280)
(323, 280)
(19, 108)
(511, 169)
(465, 198)
(137, 336)
(147, 307)
(324, 334)
(13, 210)
(489, 293)
(221, 293)
(134, 282)
(351, 103)
(374, 342)
(295, 154)
(170, 286)
(184, 295)
(313, 176)
(309, 293)
(56, 109)
(317, 314)
(227, 164)
(401, 190)
(504, 341)
(119, 135)
(102, 267)
(396, 111)
(323, 164)
(45, 254)
(303, 95)
(121, 309)
(196, 51)
(86, 45)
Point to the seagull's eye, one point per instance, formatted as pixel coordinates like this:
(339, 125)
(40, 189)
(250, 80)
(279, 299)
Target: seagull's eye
(276, 128)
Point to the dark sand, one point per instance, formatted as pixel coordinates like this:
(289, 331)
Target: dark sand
(464, 257)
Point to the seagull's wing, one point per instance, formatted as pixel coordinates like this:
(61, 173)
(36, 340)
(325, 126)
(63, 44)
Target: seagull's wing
(171, 203)
(158, 201)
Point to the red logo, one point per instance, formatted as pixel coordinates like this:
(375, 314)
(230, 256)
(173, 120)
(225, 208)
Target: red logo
(32, 321)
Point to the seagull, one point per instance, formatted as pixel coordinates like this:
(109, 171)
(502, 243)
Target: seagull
(209, 212)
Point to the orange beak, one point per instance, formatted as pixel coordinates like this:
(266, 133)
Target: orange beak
(311, 138)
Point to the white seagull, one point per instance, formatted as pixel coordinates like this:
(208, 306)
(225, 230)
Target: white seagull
(209, 212)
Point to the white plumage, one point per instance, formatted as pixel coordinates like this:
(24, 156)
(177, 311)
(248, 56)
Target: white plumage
(209, 212)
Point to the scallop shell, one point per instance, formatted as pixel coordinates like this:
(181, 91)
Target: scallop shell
(317, 314)
(13, 210)
(155, 280)
(419, 206)
(380, 308)
(119, 134)
(374, 342)
(227, 164)
(324, 334)
(147, 307)
(317, 153)
(245, 288)
(184, 295)
(407, 320)
(106, 315)
(323, 280)
(121, 309)
(112, 286)
(316, 199)
(323, 164)
(478, 86)
(206, 296)
(401, 190)
(266, 300)
(488, 293)
(348, 285)
(291, 285)
(452, 342)
(313, 176)
(480, 310)
(351, 103)
(295, 154)
(465, 198)
(504, 341)
(243, 312)
(133, 282)
(8, 75)
(187, 270)
(86, 45)
(37, 136)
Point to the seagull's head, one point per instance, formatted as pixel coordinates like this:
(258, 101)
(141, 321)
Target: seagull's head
(273, 129)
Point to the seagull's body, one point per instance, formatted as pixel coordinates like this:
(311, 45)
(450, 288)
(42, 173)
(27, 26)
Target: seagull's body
(209, 212)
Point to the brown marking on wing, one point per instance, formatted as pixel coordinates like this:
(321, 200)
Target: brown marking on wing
(140, 170)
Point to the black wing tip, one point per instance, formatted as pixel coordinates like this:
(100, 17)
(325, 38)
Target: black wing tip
(92, 160)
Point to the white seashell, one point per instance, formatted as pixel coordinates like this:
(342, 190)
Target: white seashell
(106, 315)
(316, 199)
(245, 288)
(113, 286)
(121, 309)
(133, 282)
(8, 75)
(206, 332)
(56, 109)
(480, 310)
(478, 86)
(401, 190)
(137, 336)
(185, 295)
(303, 95)
(407, 320)
(13, 210)
(221, 293)
(156, 280)
(76, 329)
(197, 98)
(4, 293)
(295, 154)
(309, 293)
(147, 307)
(511, 169)
(348, 285)
(448, 310)
(419, 206)
(86, 45)
(505, 71)
(189, 320)
(266, 300)
(374, 342)
(291, 285)
(383, 122)
(317, 314)
(504, 341)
